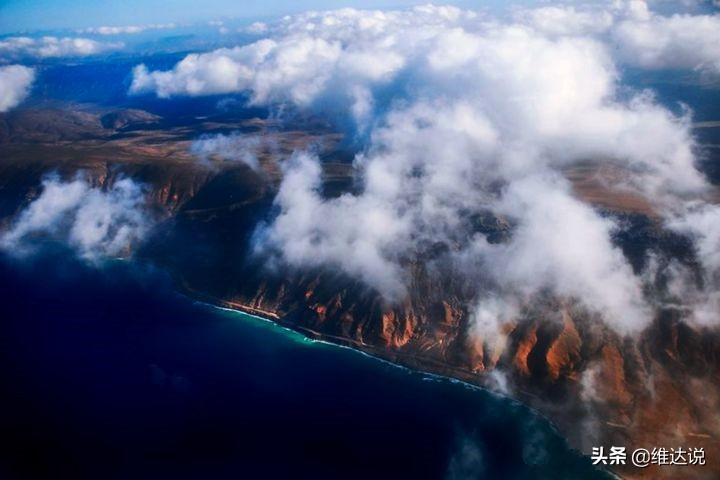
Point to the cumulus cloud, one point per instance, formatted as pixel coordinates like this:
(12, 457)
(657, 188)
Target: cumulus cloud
(46, 47)
(15, 83)
(96, 223)
(567, 20)
(313, 232)
(638, 36)
(561, 244)
(461, 116)
(297, 65)
(680, 41)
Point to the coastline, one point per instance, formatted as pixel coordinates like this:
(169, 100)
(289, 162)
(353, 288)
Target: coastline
(432, 370)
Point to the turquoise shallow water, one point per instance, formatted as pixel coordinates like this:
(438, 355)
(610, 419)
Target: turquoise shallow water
(115, 376)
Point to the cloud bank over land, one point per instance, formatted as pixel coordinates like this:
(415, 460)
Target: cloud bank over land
(567, 20)
(637, 36)
(126, 29)
(15, 83)
(48, 47)
(301, 53)
(463, 115)
(96, 223)
(675, 42)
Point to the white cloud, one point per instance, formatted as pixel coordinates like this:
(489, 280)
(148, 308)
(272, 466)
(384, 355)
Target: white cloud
(299, 68)
(460, 115)
(567, 20)
(256, 28)
(234, 147)
(636, 34)
(561, 244)
(700, 222)
(96, 223)
(313, 232)
(296, 63)
(126, 29)
(679, 41)
(108, 30)
(491, 315)
(45, 47)
(15, 83)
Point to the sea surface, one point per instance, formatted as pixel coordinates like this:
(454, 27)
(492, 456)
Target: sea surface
(106, 373)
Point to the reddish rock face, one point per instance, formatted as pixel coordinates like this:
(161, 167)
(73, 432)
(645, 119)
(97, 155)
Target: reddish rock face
(564, 352)
(525, 346)
(598, 388)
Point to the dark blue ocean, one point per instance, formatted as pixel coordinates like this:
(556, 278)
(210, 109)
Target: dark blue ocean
(108, 374)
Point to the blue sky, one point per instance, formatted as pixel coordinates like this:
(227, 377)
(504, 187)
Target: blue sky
(29, 15)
